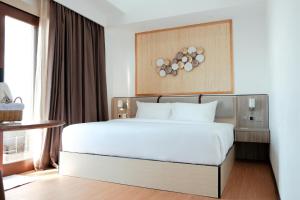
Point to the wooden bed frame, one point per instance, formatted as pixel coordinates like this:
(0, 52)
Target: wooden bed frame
(178, 177)
(196, 179)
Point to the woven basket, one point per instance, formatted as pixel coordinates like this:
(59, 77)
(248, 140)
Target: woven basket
(11, 115)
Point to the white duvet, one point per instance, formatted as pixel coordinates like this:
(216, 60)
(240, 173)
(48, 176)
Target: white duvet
(164, 140)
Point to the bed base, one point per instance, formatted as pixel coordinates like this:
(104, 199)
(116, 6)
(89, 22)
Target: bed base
(177, 177)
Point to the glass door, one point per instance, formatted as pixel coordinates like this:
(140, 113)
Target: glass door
(17, 67)
(19, 62)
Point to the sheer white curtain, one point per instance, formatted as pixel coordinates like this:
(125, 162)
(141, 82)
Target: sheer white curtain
(42, 80)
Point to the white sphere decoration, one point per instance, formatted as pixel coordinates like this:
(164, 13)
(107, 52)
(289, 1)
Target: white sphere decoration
(160, 62)
(162, 73)
(187, 59)
(188, 67)
(192, 50)
(175, 66)
(184, 59)
(200, 58)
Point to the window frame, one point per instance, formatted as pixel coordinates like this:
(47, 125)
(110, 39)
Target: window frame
(7, 10)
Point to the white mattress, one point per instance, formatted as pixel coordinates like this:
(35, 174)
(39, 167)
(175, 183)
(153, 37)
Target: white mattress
(164, 140)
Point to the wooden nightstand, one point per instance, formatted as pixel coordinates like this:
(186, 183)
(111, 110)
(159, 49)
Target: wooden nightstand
(252, 134)
(252, 144)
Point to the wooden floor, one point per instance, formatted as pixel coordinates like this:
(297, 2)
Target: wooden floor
(248, 180)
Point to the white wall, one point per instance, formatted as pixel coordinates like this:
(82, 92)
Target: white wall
(142, 10)
(250, 50)
(249, 38)
(284, 32)
(100, 12)
(119, 50)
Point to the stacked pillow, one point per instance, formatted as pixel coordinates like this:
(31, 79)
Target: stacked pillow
(177, 111)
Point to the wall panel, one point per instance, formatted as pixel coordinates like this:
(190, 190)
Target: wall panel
(215, 75)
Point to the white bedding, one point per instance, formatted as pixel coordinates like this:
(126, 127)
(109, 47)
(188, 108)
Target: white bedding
(165, 140)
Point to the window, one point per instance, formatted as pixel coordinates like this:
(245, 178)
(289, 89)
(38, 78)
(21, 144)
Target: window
(19, 62)
(18, 40)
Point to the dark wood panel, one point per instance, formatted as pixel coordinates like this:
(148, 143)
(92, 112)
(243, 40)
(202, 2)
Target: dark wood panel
(18, 14)
(1, 74)
(252, 151)
(2, 39)
(2, 194)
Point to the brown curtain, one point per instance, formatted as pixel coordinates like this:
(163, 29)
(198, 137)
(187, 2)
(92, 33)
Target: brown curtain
(78, 88)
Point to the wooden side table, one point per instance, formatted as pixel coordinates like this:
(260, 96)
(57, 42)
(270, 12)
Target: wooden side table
(252, 144)
(22, 125)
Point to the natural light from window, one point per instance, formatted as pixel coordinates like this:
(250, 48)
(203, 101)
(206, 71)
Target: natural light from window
(20, 38)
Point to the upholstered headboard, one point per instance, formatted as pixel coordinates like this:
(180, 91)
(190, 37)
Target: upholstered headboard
(226, 109)
(231, 108)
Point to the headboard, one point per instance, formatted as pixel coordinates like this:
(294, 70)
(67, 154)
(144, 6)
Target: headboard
(231, 108)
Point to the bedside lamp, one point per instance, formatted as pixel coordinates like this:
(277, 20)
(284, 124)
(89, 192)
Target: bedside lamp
(122, 105)
(251, 104)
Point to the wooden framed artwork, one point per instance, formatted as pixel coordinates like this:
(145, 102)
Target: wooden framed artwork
(194, 59)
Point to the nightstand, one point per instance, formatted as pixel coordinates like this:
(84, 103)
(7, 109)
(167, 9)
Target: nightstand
(252, 134)
(252, 144)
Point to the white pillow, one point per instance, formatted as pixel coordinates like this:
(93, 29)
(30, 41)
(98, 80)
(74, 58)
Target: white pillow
(204, 112)
(153, 110)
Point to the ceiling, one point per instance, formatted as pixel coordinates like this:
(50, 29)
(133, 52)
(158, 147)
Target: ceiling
(120, 12)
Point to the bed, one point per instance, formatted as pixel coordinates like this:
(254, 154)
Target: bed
(163, 140)
(180, 156)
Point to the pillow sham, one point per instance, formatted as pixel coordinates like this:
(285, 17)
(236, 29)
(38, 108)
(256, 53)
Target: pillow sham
(204, 112)
(153, 110)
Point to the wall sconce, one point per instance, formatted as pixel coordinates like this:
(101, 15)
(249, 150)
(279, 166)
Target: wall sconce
(251, 104)
(122, 105)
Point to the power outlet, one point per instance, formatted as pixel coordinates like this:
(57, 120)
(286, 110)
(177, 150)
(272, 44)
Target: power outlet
(249, 117)
(122, 116)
